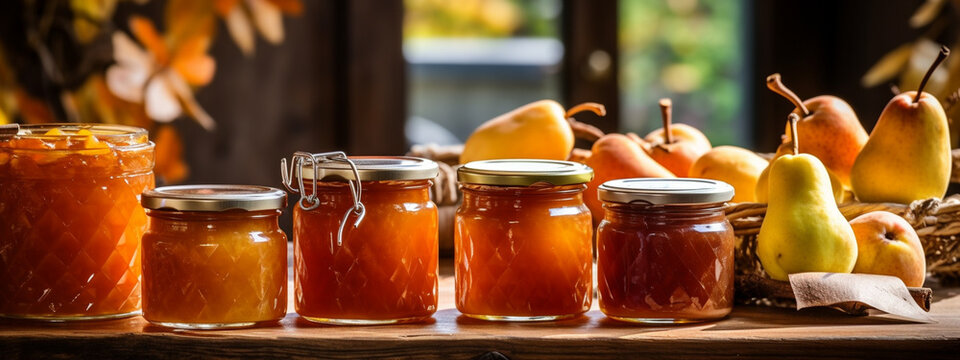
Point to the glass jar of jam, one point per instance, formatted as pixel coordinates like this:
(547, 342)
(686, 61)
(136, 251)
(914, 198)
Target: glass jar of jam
(523, 240)
(71, 221)
(365, 237)
(214, 256)
(665, 250)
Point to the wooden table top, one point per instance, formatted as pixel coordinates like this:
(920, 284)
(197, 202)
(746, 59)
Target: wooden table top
(750, 332)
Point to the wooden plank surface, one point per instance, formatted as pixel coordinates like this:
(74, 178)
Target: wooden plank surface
(750, 332)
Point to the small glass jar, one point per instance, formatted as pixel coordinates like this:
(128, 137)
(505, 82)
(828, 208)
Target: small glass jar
(665, 250)
(365, 237)
(523, 240)
(71, 221)
(214, 256)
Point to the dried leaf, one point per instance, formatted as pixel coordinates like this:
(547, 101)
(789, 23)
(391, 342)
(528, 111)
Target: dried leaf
(888, 67)
(133, 67)
(143, 29)
(268, 20)
(169, 149)
(192, 62)
(926, 13)
(185, 95)
(240, 29)
(885, 293)
(184, 19)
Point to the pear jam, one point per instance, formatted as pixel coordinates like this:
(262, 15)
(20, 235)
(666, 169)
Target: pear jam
(665, 250)
(523, 240)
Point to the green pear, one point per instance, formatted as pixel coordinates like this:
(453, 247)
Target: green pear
(907, 157)
(803, 230)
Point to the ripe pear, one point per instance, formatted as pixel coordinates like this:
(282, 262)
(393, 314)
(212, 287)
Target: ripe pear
(839, 193)
(733, 165)
(538, 130)
(676, 146)
(803, 230)
(829, 129)
(616, 156)
(908, 155)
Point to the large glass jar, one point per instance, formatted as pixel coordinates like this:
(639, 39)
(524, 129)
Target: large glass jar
(523, 240)
(665, 250)
(71, 221)
(214, 256)
(365, 252)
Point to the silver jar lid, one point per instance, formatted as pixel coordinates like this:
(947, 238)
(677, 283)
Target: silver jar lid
(524, 172)
(214, 198)
(373, 168)
(659, 191)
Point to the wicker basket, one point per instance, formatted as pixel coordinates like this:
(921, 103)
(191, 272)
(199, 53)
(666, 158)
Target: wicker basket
(937, 221)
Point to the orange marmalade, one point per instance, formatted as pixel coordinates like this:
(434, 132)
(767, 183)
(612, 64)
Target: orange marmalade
(214, 256)
(379, 269)
(71, 221)
(665, 251)
(523, 241)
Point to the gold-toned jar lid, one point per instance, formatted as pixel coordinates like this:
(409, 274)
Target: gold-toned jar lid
(214, 198)
(659, 191)
(524, 172)
(372, 168)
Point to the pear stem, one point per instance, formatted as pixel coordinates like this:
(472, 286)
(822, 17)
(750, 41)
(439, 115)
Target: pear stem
(944, 51)
(793, 118)
(587, 106)
(666, 113)
(775, 85)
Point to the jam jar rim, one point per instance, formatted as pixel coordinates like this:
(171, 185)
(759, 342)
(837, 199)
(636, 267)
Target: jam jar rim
(504, 172)
(214, 198)
(373, 168)
(661, 191)
(101, 131)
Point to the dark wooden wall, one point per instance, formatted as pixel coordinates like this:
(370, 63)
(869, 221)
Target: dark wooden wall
(822, 47)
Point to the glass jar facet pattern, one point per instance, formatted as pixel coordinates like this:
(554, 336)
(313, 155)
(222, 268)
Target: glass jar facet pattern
(523, 240)
(366, 237)
(665, 263)
(71, 221)
(214, 269)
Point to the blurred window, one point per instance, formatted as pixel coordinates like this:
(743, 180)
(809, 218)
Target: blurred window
(471, 60)
(692, 51)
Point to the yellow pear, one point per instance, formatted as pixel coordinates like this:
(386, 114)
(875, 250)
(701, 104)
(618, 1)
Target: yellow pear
(839, 193)
(736, 166)
(538, 130)
(803, 230)
(907, 157)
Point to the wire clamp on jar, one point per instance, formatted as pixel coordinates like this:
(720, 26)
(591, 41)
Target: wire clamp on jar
(310, 201)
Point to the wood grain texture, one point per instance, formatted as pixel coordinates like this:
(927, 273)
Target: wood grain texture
(750, 332)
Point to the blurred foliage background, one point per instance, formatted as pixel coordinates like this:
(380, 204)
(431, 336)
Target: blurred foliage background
(690, 50)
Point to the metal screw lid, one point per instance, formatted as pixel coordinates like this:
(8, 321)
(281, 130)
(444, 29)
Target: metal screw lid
(657, 191)
(373, 168)
(524, 172)
(214, 198)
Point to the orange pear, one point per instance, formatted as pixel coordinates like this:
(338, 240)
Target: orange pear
(615, 156)
(676, 146)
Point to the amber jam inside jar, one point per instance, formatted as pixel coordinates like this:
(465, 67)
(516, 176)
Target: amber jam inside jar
(381, 270)
(665, 251)
(523, 241)
(214, 256)
(71, 221)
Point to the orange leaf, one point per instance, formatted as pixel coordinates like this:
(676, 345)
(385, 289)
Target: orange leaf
(147, 34)
(192, 62)
(291, 7)
(169, 149)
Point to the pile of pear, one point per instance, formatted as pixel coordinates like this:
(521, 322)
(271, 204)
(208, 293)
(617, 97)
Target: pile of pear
(826, 158)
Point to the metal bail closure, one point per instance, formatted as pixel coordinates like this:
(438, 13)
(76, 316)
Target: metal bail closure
(310, 201)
